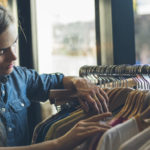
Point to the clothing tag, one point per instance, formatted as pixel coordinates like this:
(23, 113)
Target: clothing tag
(102, 122)
(147, 121)
(107, 119)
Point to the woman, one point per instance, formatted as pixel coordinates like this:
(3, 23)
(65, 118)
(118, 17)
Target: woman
(18, 86)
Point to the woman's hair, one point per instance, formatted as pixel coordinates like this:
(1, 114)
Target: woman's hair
(5, 19)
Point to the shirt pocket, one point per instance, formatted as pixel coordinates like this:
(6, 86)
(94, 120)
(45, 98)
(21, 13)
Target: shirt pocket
(20, 104)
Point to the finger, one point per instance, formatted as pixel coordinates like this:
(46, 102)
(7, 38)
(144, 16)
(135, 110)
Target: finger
(98, 117)
(84, 105)
(104, 95)
(93, 105)
(98, 104)
(98, 124)
(91, 132)
(103, 102)
(86, 129)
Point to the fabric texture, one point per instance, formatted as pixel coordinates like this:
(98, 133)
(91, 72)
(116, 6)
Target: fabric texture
(42, 128)
(116, 121)
(114, 137)
(3, 136)
(145, 146)
(136, 141)
(141, 123)
(38, 134)
(42, 134)
(22, 86)
(52, 129)
(65, 127)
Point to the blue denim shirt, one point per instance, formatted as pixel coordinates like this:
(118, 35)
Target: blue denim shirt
(22, 86)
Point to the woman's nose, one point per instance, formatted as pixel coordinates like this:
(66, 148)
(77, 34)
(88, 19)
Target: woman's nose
(12, 53)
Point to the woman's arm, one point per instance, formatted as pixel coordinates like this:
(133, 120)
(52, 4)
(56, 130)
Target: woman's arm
(48, 145)
(80, 132)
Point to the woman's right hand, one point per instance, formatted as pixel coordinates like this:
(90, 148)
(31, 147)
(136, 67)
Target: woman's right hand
(82, 130)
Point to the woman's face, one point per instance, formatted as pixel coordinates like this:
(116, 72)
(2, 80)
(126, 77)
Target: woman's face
(8, 45)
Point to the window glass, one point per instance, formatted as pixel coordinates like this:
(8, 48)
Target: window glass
(65, 35)
(142, 30)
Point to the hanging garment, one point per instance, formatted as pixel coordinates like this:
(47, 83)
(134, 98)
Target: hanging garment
(115, 136)
(136, 141)
(141, 124)
(53, 128)
(46, 127)
(146, 102)
(134, 104)
(39, 127)
(3, 135)
(91, 142)
(117, 97)
(42, 127)
(94, 141)
(65, 127)
(145, 146)
(116, 121)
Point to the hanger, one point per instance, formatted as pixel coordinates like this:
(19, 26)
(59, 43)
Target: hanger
(119, 98)
(143, 119)
(126, 105)
(111, 93)
(131, 104)
(146, 102)
(138, 105)
(142, 102)
(145, 78)
(63, 95)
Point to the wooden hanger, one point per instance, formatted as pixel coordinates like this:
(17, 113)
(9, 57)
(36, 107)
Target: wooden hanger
(146, 102)
(120, 98)
(137, 105)
(131, 104)
(128, 83)
(125, 107)
(141, 103)
(62, 95)
(143, 119)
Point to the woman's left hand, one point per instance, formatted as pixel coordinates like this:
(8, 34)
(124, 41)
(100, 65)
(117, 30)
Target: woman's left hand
(83, 130)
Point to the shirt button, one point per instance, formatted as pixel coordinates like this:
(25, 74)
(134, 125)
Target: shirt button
(9, 129)
(3, 92)
(3, 109)
(22, 104)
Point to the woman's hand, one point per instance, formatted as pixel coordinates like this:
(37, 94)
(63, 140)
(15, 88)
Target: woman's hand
(91, 97)
(82, 130)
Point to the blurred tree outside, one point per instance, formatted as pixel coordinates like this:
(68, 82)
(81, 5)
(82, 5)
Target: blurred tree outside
(142, 35)
(74, 38)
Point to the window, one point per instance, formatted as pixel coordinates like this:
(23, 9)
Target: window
(65, 35)
(142, 31)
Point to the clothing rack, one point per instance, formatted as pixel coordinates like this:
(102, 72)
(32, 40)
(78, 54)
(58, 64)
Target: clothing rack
(136, 76)
(127, 87)
(109, 76)
(115, 70)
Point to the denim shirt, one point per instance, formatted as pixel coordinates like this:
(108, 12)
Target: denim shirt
(22, 86)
